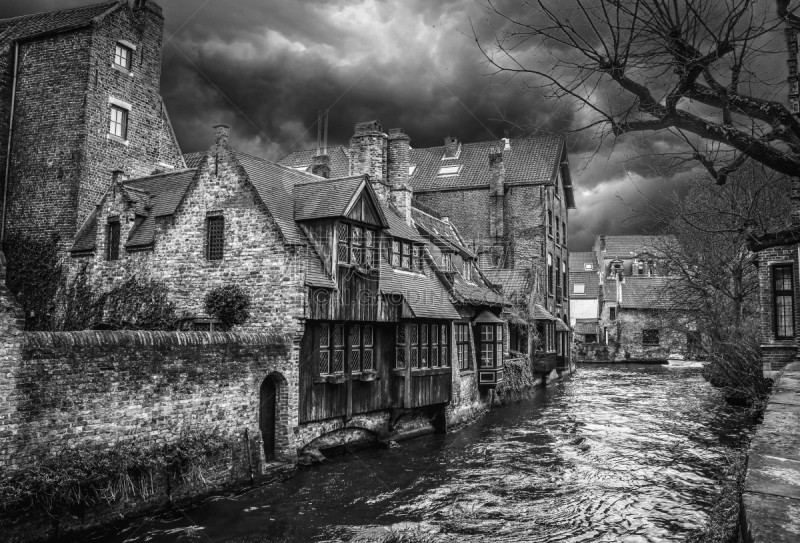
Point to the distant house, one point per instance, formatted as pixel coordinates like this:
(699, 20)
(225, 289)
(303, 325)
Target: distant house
(639, 317)
(585, 295)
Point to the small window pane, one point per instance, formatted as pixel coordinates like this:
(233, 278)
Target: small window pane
(216, 238)
(122, 56)
(119, 122)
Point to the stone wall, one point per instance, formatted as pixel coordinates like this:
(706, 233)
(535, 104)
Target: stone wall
(625, 338)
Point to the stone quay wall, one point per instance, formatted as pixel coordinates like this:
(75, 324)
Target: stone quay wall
(770, 511)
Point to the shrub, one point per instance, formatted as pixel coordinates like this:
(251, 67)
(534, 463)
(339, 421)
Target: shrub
(230, 304)
(33, 276)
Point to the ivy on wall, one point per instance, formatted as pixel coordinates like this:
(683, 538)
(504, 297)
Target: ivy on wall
(33, 274)
(73, 480)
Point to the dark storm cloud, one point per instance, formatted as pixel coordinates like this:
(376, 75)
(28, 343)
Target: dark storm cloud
(266, 67)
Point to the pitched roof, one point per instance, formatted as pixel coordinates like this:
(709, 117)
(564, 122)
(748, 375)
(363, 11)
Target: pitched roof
(338, 154)
(325, 198)
(398, 227)
(443, 233)
(577, 259)
(590, 280)
(166, 190)
(27, 26)
(541, 314)
(630, 246)
(425, 295)
(646, 293)
(193, 159)
(586, 326)
(513, 282)
(275, 186)
(529, 160)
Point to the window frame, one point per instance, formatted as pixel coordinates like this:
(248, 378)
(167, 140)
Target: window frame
(493, 344)
(211, 253)
(123, 122)
(575, 289)
(405, 255)
(128, 66)
(780, 294)
(612, 313)
(550, 289)
(113, 249)
(550, 222)
(365, 347)
(651, 332)
(354, 248)
(463, 347)
(428, 344)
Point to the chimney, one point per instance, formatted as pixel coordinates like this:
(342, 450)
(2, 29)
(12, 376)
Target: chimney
(620, 279)
(452, 147)
(321, 166)
(368, 155)
(602, 243)
(398, 162)
(497, 191)
(117, 177)
(148, 5)
(221, 133)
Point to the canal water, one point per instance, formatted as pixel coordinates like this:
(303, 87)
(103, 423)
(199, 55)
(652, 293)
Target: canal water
(613, 453)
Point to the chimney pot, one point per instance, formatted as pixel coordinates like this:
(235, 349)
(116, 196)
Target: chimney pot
(452, 147)
(222, 133)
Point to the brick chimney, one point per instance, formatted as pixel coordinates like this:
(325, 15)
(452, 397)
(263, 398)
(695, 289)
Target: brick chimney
(321, 166)
(497, 192)
(398, 162)
(452, 147)
(148, 5)
(368, 155)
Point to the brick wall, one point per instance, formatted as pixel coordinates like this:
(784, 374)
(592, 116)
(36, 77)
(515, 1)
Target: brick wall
(625, 336)
(61, 156)
(776, 352)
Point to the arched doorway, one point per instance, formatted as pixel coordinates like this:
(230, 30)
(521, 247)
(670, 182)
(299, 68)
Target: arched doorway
(268, 416)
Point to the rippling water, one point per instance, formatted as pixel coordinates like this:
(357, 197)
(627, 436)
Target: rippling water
(614, 453)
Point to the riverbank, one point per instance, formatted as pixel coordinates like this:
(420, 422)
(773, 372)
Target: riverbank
(770, 511)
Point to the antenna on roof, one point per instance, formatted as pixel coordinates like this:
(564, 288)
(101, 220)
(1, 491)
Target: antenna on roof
(322, 132)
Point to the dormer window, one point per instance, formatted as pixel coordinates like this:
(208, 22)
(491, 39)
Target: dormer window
(588, 266)
(122, 56)
(449, 170)
(406, 256)
(356, 245)
(412, 169)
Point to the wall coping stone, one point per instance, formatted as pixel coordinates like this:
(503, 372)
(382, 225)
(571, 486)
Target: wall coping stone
(155, 339)
(771, 497)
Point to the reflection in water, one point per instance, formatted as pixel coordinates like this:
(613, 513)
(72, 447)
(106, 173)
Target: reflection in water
(615, 453)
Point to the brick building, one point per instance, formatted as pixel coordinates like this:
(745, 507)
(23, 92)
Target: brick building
(639, 317)
(510, 200)
(79, 98)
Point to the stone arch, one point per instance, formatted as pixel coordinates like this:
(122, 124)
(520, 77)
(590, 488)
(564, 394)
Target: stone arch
(273, 417)
(344, 438)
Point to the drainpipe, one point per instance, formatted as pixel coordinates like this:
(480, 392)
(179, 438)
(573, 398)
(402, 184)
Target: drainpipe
(8, 148)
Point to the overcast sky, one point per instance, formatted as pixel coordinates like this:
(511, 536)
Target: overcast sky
(266, 66)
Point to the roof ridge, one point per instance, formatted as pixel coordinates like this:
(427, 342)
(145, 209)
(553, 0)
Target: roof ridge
(287, 168)
(19, 18)
(162, 174)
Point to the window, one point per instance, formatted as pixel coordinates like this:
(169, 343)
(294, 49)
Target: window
(450, 170)
(356, 245)
(395, 253)
(550, 222)
(215, 240)
(332, 346)
(558, 276)
(612, 313)
(416, 257)
(463, 346)
(122, 56)
(579, 288)
(490, 337)
(650, 336)
(112, 239)
(558, 231)
(405, 255)
(564, 284)
(424, 361)
(467, 271)
(591, 338)
(411, 169)
(564, 231)
(588, 266)
(447, 262)
(119, 122)
(400, 347)
(414, 346)
(549, 273)
(783, 301)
